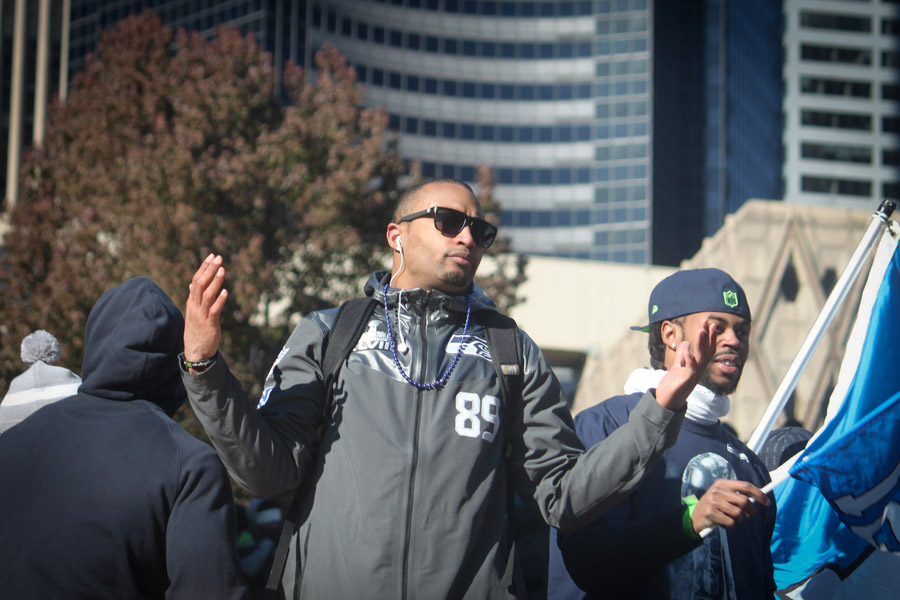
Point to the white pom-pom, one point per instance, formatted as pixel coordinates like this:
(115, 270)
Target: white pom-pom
(40, 345)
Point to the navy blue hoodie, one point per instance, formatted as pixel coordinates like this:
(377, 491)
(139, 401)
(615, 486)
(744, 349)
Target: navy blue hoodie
(104, 495)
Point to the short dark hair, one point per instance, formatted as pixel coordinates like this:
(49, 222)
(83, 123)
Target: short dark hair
(655, 343)
(408, 197)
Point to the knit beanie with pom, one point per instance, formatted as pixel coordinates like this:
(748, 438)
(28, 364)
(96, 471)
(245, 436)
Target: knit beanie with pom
(41, 384)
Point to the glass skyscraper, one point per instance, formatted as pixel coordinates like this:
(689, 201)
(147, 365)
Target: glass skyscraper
(554, 96)
(717, 117)
(617, 130)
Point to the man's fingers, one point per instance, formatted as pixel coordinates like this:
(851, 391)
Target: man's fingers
(753, 492)
(207, 281)
(705, 343)
(211, 292)
(216, 309)
(722, 508)
(742, 487)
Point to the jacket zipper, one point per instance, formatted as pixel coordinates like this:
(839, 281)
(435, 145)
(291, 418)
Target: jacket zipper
(415, 450)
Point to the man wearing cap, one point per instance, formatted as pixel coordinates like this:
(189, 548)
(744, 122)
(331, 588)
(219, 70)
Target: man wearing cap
(649, 546)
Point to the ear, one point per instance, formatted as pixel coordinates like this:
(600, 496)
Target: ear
(669, 334)
(393, 233)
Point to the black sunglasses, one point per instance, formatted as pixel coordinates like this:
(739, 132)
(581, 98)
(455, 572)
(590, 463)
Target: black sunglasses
(451, 222)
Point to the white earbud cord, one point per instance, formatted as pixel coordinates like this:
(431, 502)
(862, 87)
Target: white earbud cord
(401, 347)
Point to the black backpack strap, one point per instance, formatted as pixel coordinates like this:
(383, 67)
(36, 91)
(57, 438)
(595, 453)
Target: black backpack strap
(506, 353)
(351, 321)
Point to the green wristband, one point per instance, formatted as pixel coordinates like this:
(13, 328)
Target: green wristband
(689, 504)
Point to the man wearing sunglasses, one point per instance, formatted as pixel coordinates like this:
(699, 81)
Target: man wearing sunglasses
(407, 475)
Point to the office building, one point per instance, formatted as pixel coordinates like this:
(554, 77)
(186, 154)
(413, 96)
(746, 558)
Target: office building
(617, 130)
(842, 123)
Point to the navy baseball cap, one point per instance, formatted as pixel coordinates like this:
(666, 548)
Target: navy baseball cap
(692, 291)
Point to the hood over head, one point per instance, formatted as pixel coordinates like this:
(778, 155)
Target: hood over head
(132, 340)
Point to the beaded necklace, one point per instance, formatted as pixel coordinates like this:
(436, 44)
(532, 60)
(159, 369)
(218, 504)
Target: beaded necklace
(443, 378)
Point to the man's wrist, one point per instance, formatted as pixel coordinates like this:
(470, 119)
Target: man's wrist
(690, 502)
(196, 366)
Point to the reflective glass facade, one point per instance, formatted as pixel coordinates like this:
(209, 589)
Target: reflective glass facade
(554, 96)
(717, 117)
(617, 130)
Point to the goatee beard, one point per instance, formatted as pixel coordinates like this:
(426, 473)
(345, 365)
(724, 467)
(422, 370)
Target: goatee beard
(456, 280)
(721, 389)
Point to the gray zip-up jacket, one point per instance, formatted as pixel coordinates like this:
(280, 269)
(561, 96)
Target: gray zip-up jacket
(408, 494)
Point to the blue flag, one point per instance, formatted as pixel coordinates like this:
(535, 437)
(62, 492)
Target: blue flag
(844, 489)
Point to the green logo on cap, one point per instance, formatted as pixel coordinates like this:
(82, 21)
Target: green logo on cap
(731, 299)
(655, 308)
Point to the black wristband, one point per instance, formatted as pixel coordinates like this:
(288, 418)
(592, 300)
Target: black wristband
(197, 365)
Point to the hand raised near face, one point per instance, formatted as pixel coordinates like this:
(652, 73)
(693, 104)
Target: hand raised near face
(691, 360)
(205, 302)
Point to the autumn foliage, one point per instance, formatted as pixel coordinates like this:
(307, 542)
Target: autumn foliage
(171, 146)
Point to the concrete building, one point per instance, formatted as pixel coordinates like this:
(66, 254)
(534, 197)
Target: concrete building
(787, 257)
(576, 309)
(842, 75)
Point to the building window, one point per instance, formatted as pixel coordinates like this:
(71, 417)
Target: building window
(834, 22)
(890, 91)
(890, 158)
(890, 189)
(835, 152)
(842, 187)
(835, 87)
(850, 56)
(814, 118)
(819, 185)
(890, 124)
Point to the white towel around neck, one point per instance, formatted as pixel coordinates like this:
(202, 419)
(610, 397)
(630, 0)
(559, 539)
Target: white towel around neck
(703, 406)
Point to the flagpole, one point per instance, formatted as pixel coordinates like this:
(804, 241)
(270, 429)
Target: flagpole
(832, 304)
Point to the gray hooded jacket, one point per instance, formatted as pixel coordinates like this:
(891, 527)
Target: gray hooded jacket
(408, 495)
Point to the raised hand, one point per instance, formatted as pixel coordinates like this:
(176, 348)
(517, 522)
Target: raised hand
(205, 302)
(691, 360)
